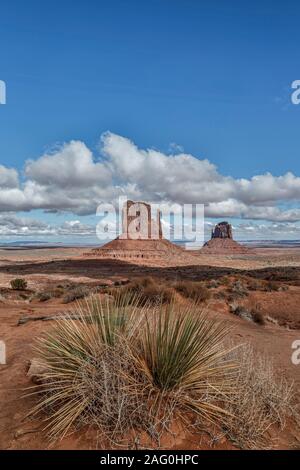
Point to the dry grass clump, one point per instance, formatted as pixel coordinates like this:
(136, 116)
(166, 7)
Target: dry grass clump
(239, 289)
(272, 286)
(241, 311)
(258, 317)
(255, 284)
(213, 284)
(262, 399)
(75, 293)
(112, 389)
(193, 290)
(125, 367)
(225, 280)
(148, 289)
(18, 284)
(250, 312)
(50, 292)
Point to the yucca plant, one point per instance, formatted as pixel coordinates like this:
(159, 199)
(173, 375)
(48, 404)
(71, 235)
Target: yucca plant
(70, 355)
(122, 366)
(114, 317)
(182, 353)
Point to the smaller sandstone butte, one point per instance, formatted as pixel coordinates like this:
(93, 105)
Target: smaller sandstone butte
(222, 243)
(222, 230)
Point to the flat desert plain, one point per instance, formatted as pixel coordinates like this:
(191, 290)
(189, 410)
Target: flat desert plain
(265, 279)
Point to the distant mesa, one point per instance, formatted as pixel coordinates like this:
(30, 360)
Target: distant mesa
(141, 238)
(222, 242)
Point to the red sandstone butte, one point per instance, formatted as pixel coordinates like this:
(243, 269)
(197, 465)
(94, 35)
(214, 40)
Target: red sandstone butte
(141, 237)
(222, 242)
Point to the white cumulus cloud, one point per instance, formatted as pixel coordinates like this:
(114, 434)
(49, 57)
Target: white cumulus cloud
(71, 178)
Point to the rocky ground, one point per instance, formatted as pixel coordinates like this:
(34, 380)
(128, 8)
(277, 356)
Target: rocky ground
(268, 279)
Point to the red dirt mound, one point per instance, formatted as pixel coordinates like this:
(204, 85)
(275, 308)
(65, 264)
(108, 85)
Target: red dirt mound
(146, 249)
(223, 246)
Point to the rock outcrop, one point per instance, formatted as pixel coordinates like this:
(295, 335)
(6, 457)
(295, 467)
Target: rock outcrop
(222, 230)
(222, 243)
(138, 223)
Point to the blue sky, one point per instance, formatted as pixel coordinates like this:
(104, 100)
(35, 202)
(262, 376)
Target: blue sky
(214, 77)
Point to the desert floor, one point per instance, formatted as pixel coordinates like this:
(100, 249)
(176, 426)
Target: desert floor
(52, 267)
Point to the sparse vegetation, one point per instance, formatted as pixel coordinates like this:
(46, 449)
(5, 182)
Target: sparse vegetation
(254, 284)
(213, 284)
(193, 290)
(272, 286)
(250, 313)
(258, 317)
(148, 289)
(124, 366)
(77, 292)
(241, 311)
(18, 284)
(261, 400)
(239, 289)
(67, 291)
(44, 296)
(50, 292)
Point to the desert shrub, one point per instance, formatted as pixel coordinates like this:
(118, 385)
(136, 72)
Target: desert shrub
(142, 283)
(50, 292)
(123, 367)
(236, 308)
(18, 284)
(272, 286)
(112, 388)
(241, 311)
(44, 296)
(213, 284)
(254, 284)
(258, 317)
(78, 292)
(78, 358)
(220, 295)
(157, 294)
(24, 296)
(247, 313)
(193, 290)
(262, 399)
(121, 282)
(148, 289)
(225, 281)
(238, 289)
